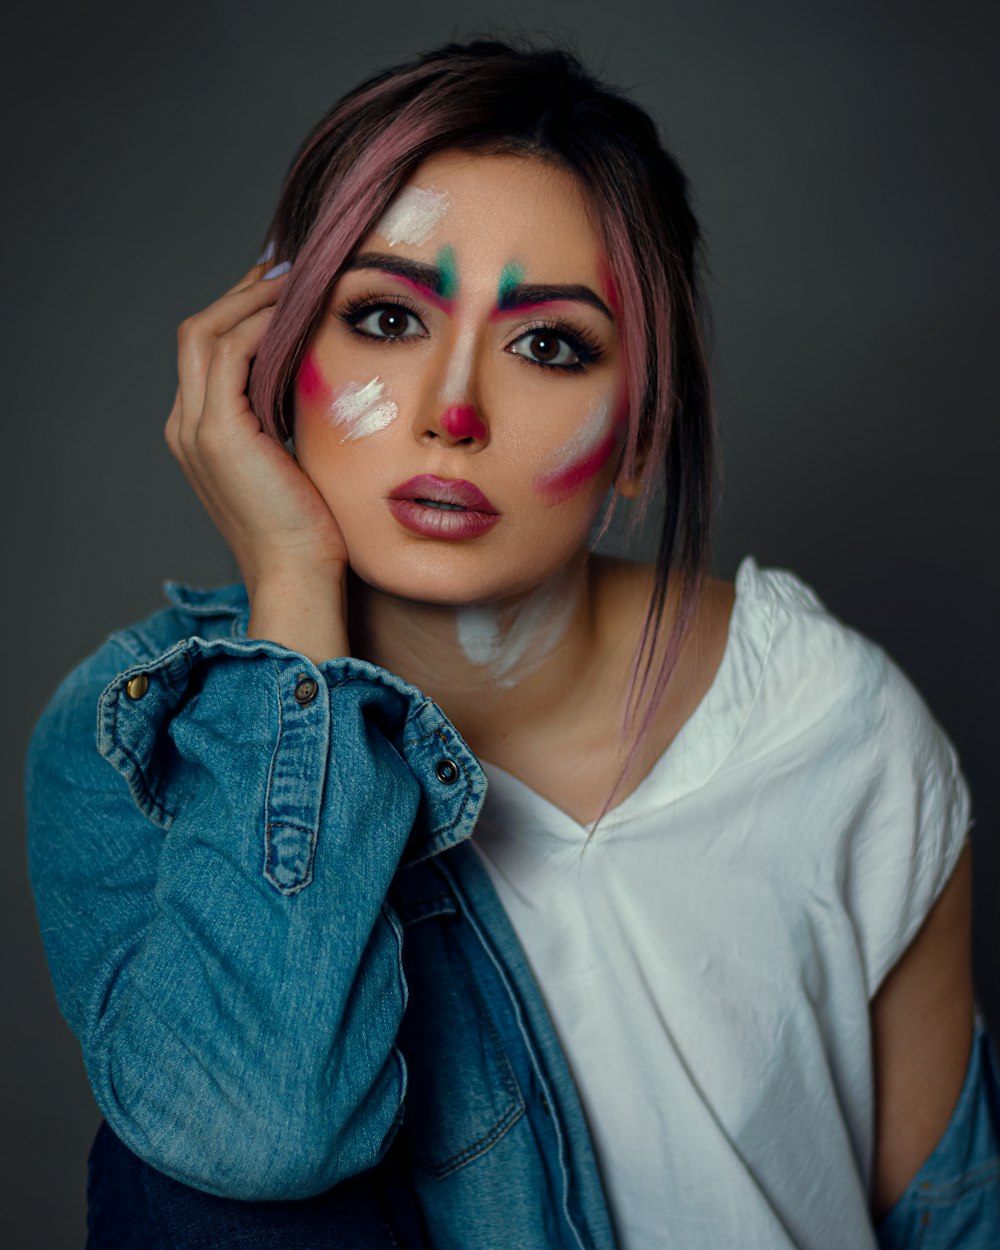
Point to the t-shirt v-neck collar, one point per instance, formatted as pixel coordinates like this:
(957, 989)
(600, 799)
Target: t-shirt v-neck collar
(702, 745)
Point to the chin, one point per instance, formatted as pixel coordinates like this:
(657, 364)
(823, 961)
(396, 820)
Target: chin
(439, 580)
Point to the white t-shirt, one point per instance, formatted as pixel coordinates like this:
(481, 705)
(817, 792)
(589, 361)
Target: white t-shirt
(709, 959)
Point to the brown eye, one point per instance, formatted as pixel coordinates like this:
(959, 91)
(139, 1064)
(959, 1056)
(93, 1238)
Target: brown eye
(545, 347)
(389, 321)
(392, 323)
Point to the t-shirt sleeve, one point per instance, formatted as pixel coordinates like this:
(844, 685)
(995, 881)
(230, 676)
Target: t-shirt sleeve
(905, 848)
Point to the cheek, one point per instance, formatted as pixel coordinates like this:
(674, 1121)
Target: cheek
(574, 466)
(355, 409)
(310, 385)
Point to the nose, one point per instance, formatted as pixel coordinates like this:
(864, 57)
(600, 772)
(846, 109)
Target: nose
(452, 413)
(463, 423)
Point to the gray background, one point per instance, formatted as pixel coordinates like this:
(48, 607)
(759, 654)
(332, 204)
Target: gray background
(843, 157)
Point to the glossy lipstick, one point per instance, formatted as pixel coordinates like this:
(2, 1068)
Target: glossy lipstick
(438, 507)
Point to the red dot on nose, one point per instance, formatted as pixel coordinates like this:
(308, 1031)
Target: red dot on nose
(462, 421)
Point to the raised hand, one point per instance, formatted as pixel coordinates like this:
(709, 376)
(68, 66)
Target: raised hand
(280, 529)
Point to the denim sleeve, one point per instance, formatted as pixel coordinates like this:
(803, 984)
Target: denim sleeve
(210, 872)
(953, 1202)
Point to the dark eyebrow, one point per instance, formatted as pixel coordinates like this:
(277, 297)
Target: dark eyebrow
(516, 297)
(428, 276)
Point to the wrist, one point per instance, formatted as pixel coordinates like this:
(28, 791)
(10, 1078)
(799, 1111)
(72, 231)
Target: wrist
(304, 610)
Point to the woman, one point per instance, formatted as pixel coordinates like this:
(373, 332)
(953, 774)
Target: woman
(694, 971)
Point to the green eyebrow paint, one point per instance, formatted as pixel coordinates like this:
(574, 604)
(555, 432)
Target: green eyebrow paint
(445, 262)
(511, 275)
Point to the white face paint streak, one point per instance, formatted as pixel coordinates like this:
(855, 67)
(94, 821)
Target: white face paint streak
(513, 642)
(478, 633)
(456, 382)
(585, 440)
(363, 409)
(412, 216)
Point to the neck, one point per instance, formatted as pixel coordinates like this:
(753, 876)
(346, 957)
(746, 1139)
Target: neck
(494, 669)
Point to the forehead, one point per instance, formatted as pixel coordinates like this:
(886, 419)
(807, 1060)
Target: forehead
(493, 210)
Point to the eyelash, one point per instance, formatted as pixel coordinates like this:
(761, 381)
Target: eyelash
(586, 347)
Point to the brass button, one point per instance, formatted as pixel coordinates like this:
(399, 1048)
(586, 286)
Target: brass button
(305, 691)
(446, 772)
(137, 686)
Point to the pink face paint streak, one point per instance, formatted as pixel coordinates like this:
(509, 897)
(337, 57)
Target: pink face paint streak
(462, 421)
(597, 448)
(425, 292)
(310, 385)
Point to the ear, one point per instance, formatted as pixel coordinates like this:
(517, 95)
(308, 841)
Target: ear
(630, 486)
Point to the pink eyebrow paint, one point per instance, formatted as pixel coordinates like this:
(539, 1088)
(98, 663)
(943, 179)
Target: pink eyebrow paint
(425, 292)
(462, 421)
(519, 310)
(582, 458)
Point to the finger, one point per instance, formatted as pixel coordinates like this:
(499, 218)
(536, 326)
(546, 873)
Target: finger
(196, 339)
(228, 371)
(179, 453)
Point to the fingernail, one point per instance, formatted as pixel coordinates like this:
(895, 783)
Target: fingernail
(278, 270)
(266, 254)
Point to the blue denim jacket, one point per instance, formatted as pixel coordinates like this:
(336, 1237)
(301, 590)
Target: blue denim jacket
(244, 879)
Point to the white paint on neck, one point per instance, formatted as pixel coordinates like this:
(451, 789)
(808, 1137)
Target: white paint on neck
(412, 216)
(513, 642)
(363, 410)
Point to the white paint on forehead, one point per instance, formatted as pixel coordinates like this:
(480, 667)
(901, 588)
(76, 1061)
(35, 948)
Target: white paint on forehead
(585, 439)
(412, 215)
(513, 643)
(456, 382)
(363, 410)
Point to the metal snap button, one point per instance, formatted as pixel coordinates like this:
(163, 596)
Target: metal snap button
(446, 772)
(305, 691)
(137, 686)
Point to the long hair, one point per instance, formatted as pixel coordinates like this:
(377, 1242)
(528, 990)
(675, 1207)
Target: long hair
(492, 97)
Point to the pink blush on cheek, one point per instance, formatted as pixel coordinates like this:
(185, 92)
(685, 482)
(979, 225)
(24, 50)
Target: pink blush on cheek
(310, 385)
(462, 421)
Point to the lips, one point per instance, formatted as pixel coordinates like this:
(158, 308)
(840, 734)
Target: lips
(438, 507)
(428, 488)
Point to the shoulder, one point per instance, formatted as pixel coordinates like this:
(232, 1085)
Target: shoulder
(824, 677)
(869, 764)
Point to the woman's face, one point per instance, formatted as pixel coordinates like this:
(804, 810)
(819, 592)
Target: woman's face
(471, 344)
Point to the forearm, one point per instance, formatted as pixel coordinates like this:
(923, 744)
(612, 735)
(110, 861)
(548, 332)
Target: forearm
(234, 975)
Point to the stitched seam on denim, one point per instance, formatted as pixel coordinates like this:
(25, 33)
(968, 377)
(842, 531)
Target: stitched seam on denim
(426, 908)
(270, 781)
(412, 741)
(508, 1116)
(131, 642)
(944, 1193)
(441, 830)
(165, 813)
(305, 879)
(543, 1084)
(499, 1130)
